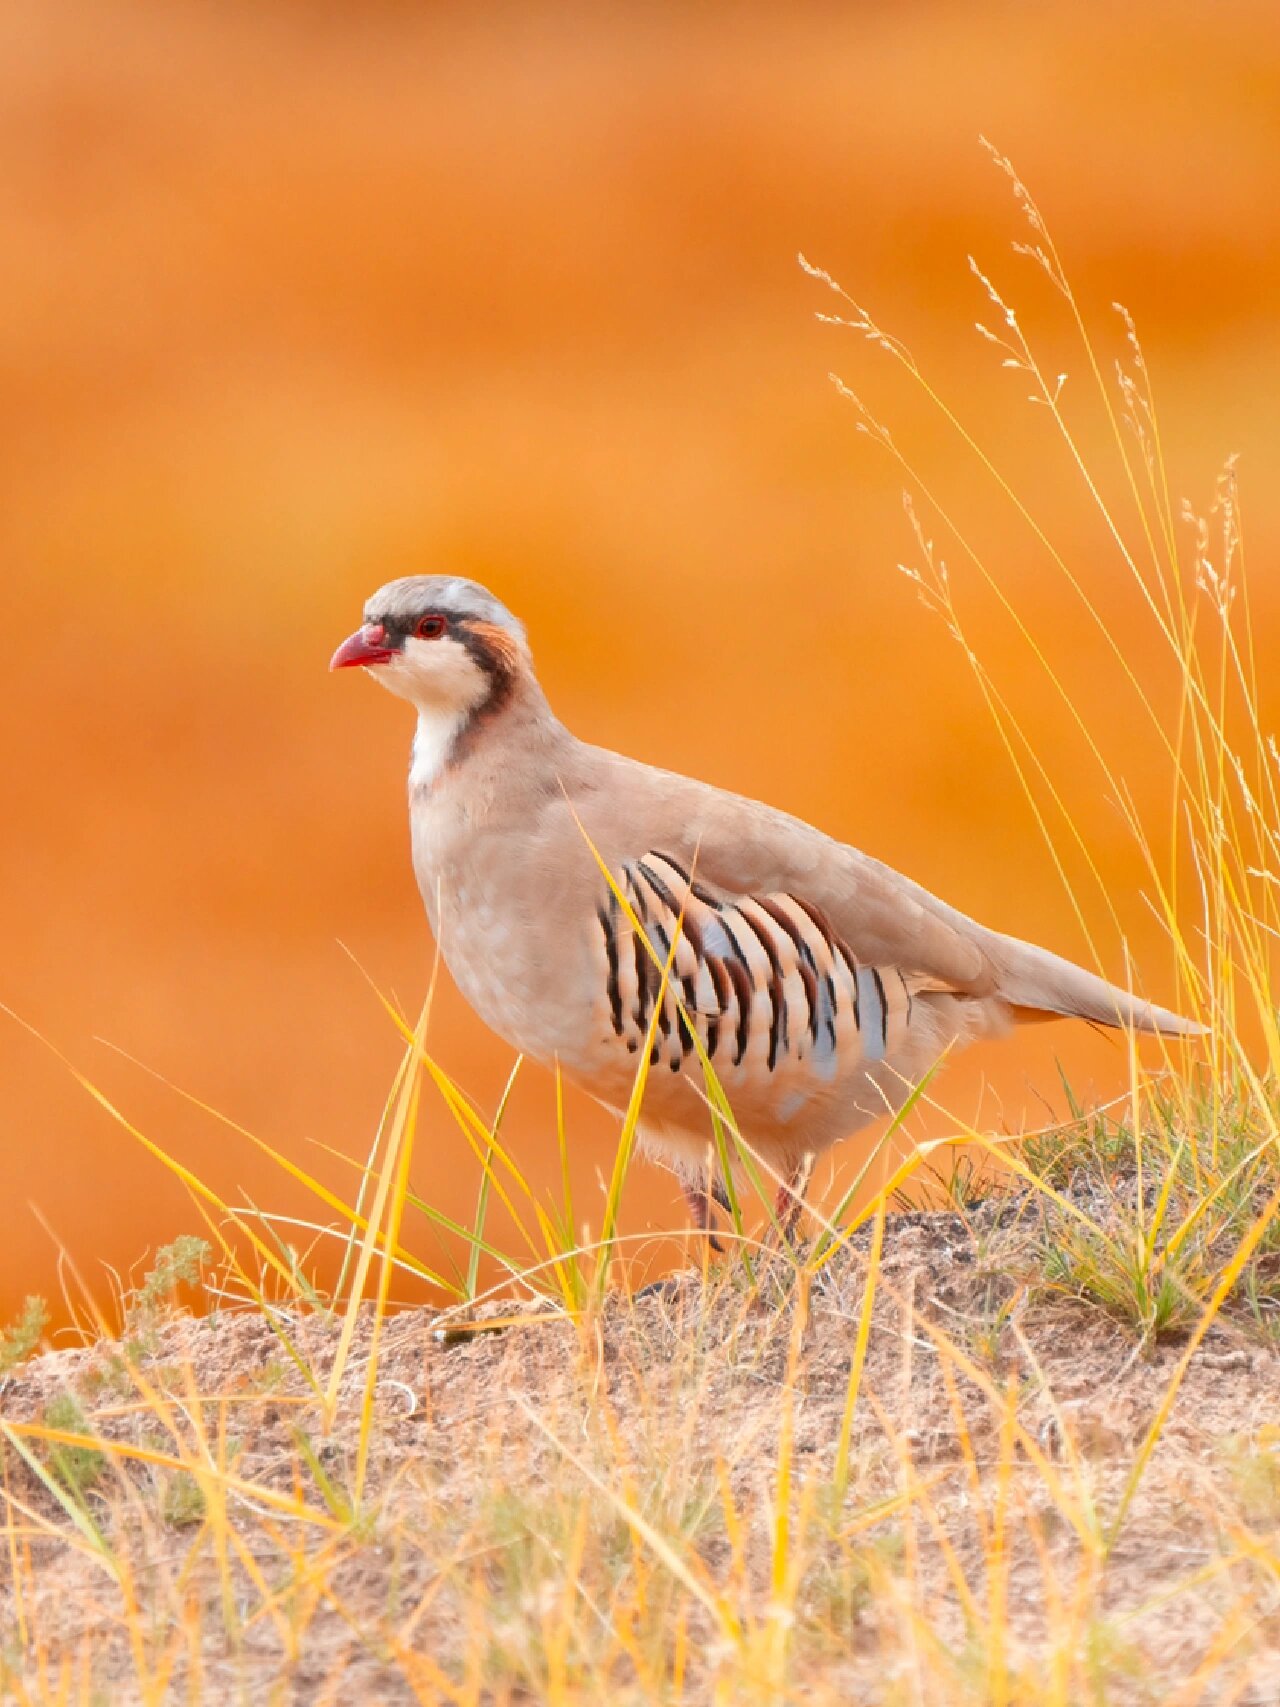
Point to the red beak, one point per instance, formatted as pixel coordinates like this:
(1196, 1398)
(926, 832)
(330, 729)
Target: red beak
(368, 645)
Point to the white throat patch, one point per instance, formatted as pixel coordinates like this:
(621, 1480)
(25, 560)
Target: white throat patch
(438, 728)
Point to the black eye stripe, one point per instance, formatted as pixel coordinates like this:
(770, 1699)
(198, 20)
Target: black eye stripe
(402, 628)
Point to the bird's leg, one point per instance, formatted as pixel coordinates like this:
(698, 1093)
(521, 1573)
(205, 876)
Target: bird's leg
(790, 1199)
(699, 1201)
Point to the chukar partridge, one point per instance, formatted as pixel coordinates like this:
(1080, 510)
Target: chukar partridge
(821, 983)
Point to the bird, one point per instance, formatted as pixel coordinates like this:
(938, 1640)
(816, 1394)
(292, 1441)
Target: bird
(603, 915)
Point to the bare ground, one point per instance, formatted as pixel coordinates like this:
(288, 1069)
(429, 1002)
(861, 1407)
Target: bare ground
(523, 1483)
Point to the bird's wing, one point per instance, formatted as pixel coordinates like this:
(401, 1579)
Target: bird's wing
(738, 848)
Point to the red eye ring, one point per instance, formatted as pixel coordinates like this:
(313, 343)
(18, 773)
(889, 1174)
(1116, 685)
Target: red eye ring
(431, 628)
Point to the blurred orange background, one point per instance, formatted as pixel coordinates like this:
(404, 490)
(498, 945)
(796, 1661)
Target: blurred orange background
(298, 298)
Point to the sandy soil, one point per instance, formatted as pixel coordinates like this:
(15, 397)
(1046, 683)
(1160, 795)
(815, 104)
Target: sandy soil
(484, 1449)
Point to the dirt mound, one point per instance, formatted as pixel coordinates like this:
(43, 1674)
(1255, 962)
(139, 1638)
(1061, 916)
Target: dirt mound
(647, 1501)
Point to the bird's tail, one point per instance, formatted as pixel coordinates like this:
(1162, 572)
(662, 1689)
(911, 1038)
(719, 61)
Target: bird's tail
(1037, 984)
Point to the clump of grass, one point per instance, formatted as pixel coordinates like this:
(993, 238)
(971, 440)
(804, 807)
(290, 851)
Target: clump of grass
(78, 1468)
(1153, 1216)
(21, 1337)
(531, 1543)
(183, 1501)
(1096, 1148)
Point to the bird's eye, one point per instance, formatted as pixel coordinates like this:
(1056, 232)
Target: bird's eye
(431, 628)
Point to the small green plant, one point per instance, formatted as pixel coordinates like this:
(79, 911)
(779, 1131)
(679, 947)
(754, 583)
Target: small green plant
(839, 1585)
(76, 1467)
(178, 1264)
(269, 1378)
(183, 1501)
(23, 1334)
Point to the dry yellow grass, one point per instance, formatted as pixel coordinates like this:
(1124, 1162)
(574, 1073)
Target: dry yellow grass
(649, 1501)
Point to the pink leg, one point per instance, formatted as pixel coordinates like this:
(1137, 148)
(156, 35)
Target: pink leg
(790, 1200)
(696, 1196)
